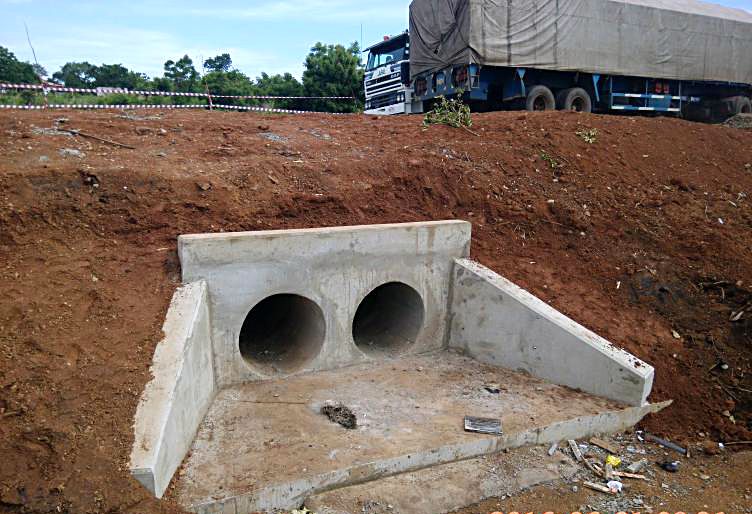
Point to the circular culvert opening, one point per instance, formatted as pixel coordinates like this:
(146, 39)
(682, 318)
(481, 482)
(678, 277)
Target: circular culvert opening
(282, 333)
(388, 320)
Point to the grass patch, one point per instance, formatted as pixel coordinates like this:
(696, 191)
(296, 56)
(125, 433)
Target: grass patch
(37, 98)
(590, 136)
(552, 161)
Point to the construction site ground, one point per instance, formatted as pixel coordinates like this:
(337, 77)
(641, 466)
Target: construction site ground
(640, 229)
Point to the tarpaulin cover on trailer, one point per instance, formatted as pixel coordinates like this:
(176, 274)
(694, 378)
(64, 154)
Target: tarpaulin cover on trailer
(671, 39)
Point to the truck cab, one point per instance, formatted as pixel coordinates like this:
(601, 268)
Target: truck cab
(387, 77)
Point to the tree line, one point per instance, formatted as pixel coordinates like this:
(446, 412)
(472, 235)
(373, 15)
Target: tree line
(330, 70)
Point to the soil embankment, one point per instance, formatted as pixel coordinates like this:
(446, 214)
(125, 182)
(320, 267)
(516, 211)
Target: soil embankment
(643, 235)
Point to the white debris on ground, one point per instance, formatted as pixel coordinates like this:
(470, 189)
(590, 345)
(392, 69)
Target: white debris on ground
(610, 474)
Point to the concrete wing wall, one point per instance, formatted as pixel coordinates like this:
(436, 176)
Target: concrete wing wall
(174, 403)
(499, 323)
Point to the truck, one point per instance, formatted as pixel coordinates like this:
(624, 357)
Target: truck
(685, 57)
(387, 76)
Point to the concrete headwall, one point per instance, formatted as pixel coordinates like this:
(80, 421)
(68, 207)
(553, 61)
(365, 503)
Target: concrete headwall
(497, 322)
(335, 268)
(176, 400)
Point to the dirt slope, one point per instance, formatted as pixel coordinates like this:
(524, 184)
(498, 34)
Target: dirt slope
(643, 236)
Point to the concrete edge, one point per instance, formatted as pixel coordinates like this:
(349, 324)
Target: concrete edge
(450, 296)
(157, 451)
(225, 236)
(633, 388)
(197, 252)
(291, 495)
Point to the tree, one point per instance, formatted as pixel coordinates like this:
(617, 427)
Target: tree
(232, 83)
(219, 63)
(76, 74)
(117, 75)
(111, 75)
(39, 70)
(14, 71)
(182, 74)
(161, 84)
(281, 85)
(85, 75)
(333, 70)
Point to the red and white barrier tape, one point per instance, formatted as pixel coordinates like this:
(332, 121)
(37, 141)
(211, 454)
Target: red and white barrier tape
(61, 89)
(149, 106)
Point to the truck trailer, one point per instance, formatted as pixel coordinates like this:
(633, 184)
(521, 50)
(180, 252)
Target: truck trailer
(685, 57)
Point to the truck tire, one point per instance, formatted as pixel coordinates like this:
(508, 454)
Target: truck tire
(744, 105)
(738, 105)
(540, 98)
(574, 99)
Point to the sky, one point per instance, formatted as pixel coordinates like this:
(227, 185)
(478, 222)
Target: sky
(271, 36)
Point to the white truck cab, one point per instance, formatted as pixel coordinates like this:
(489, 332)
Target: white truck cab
(387, 77)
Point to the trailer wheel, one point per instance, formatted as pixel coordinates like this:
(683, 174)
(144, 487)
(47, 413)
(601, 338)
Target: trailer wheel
(540, 98)
(738, 105)
(574, 99)
(745, 106)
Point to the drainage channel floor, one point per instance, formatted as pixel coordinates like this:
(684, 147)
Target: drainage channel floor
(267, 440)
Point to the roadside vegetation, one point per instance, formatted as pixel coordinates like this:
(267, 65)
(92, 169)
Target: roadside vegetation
(330, 70)
(37, 98)
(454, 113)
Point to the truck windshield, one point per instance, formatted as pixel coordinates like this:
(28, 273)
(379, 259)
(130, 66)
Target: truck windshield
(380, 57)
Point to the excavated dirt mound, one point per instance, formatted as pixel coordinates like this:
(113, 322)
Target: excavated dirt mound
(643, 236)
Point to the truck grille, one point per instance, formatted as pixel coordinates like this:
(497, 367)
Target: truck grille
(385, 78)
(382, 100)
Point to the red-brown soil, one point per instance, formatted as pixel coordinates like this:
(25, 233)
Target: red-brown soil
(643, 236)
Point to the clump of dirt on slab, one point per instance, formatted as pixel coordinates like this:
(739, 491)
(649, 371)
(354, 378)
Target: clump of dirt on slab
(340, 414)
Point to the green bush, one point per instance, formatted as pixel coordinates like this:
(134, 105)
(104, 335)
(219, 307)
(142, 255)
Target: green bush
(454, 113)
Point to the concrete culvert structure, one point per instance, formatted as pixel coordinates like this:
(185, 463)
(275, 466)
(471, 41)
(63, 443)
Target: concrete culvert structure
(388, 319)
(242, 363)
(282, 333)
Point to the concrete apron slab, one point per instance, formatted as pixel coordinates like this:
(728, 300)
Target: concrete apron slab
(449, 487)
(410, 413)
